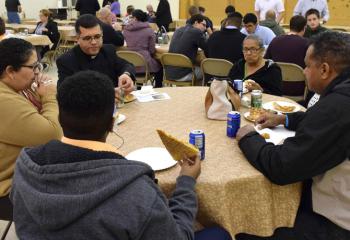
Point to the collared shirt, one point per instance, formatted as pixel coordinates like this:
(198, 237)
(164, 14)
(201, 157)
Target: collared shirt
(304, 5)
(265, 33)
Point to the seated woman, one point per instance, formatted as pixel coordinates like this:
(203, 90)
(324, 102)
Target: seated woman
(28, 118)
(140, 37)
(266, 74)
(48, 27)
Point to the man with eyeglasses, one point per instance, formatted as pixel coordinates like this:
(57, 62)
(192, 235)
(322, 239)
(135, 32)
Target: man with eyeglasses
(186, 40)
(91, 54)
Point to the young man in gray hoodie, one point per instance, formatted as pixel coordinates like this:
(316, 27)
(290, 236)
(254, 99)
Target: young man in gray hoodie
(83, 188)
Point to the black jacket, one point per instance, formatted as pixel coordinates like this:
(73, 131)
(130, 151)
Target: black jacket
(87, 6)
(269, 77)
(226, 44)
(111, 36)
(106, 62)
(163, 14)
(52, 32)
(322, 139)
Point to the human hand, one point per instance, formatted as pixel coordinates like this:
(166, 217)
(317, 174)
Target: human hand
(252, 85)
(125, 82)
(117, 26)
(45, 30)
(268, 120)
(190, 167)
(44, 85)
(244, 131)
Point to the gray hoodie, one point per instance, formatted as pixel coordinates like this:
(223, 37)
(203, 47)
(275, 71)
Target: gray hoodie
(65, 192)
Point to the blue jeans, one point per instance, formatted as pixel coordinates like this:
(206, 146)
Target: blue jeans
(13, 17)
(213, 233)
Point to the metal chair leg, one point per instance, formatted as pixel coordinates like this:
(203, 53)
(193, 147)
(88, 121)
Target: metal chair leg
(6, 230)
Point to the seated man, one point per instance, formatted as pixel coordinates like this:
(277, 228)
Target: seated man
(207, 19)
(251, 26)
(186, 40)
(111, 33)
(83, 188)
(91, 54)
(227, 43)
(194, 10)
(313, 23)
(303, 6)
(270, 22)
(320, 148)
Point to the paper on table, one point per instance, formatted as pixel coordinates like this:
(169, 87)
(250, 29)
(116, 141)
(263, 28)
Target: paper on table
(277, 134)
(153, 97)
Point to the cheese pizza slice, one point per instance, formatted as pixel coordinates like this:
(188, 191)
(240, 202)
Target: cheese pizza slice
(177, 148)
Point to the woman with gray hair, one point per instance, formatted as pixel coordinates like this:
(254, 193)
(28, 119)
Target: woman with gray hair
(263, 74)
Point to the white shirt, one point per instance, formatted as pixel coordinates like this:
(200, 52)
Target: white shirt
(263, 6)
(303, 5)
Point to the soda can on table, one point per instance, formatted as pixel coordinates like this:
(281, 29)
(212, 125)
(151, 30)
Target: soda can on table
(233, 123)
(238, 85)
(256, 99)
(197, 138)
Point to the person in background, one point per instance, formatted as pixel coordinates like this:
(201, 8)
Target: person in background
(2, 29)
(194, 10)
(207, 19)
(111, 32)
(303, 6)
(318, 154)
(47, 27)
(266, 74)
(262, 6)
(106, 2)
(28, 110)
(13, 7)
(270, 22)
(82, 181)
(186, 40)
(151, 14)
(313, 23)
(251, 26)
(227, 43)
(140, 37)
(91, 54)
(229, 9)
(163, 14)
(128, 15)
(290, 48)
(87, 7)
(115, 8)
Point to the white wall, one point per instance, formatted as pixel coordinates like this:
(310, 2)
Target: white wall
(32, 7)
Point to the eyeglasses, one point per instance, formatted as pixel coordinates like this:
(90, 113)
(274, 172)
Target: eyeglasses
(97, 37)
(36, 67)
(252, 50)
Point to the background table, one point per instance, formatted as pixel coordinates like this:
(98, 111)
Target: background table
(65, 31)
(230, 191)
(36, 40)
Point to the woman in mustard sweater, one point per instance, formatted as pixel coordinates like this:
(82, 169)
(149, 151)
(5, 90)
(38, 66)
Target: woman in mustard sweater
(28, 112)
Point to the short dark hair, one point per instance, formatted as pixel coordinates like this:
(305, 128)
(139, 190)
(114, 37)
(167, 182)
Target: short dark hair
(297, 23)
(14, 52)
(230, 9)
(130, 9)
(140, 15)
(333, 48)
(250, 18)
(201, 9)
(86, 21)
(312, 11)
(234, 19)
(193, 10)
(2, 27)
(86, 105)
(196, 18)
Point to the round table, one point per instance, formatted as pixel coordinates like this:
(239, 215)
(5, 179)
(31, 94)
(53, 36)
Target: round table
(231, 193)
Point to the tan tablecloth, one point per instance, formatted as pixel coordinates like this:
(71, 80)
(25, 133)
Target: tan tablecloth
(36, 40)
(65, 31)
(230, 191)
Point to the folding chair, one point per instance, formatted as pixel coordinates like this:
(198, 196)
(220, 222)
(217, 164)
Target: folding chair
(215, 67)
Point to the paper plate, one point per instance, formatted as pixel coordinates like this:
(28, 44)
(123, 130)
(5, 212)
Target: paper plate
(270, 106)
(121, 118)
(157, 158)
(277, 134)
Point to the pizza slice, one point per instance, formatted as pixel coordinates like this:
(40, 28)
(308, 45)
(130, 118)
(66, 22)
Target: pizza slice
(177, 148)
